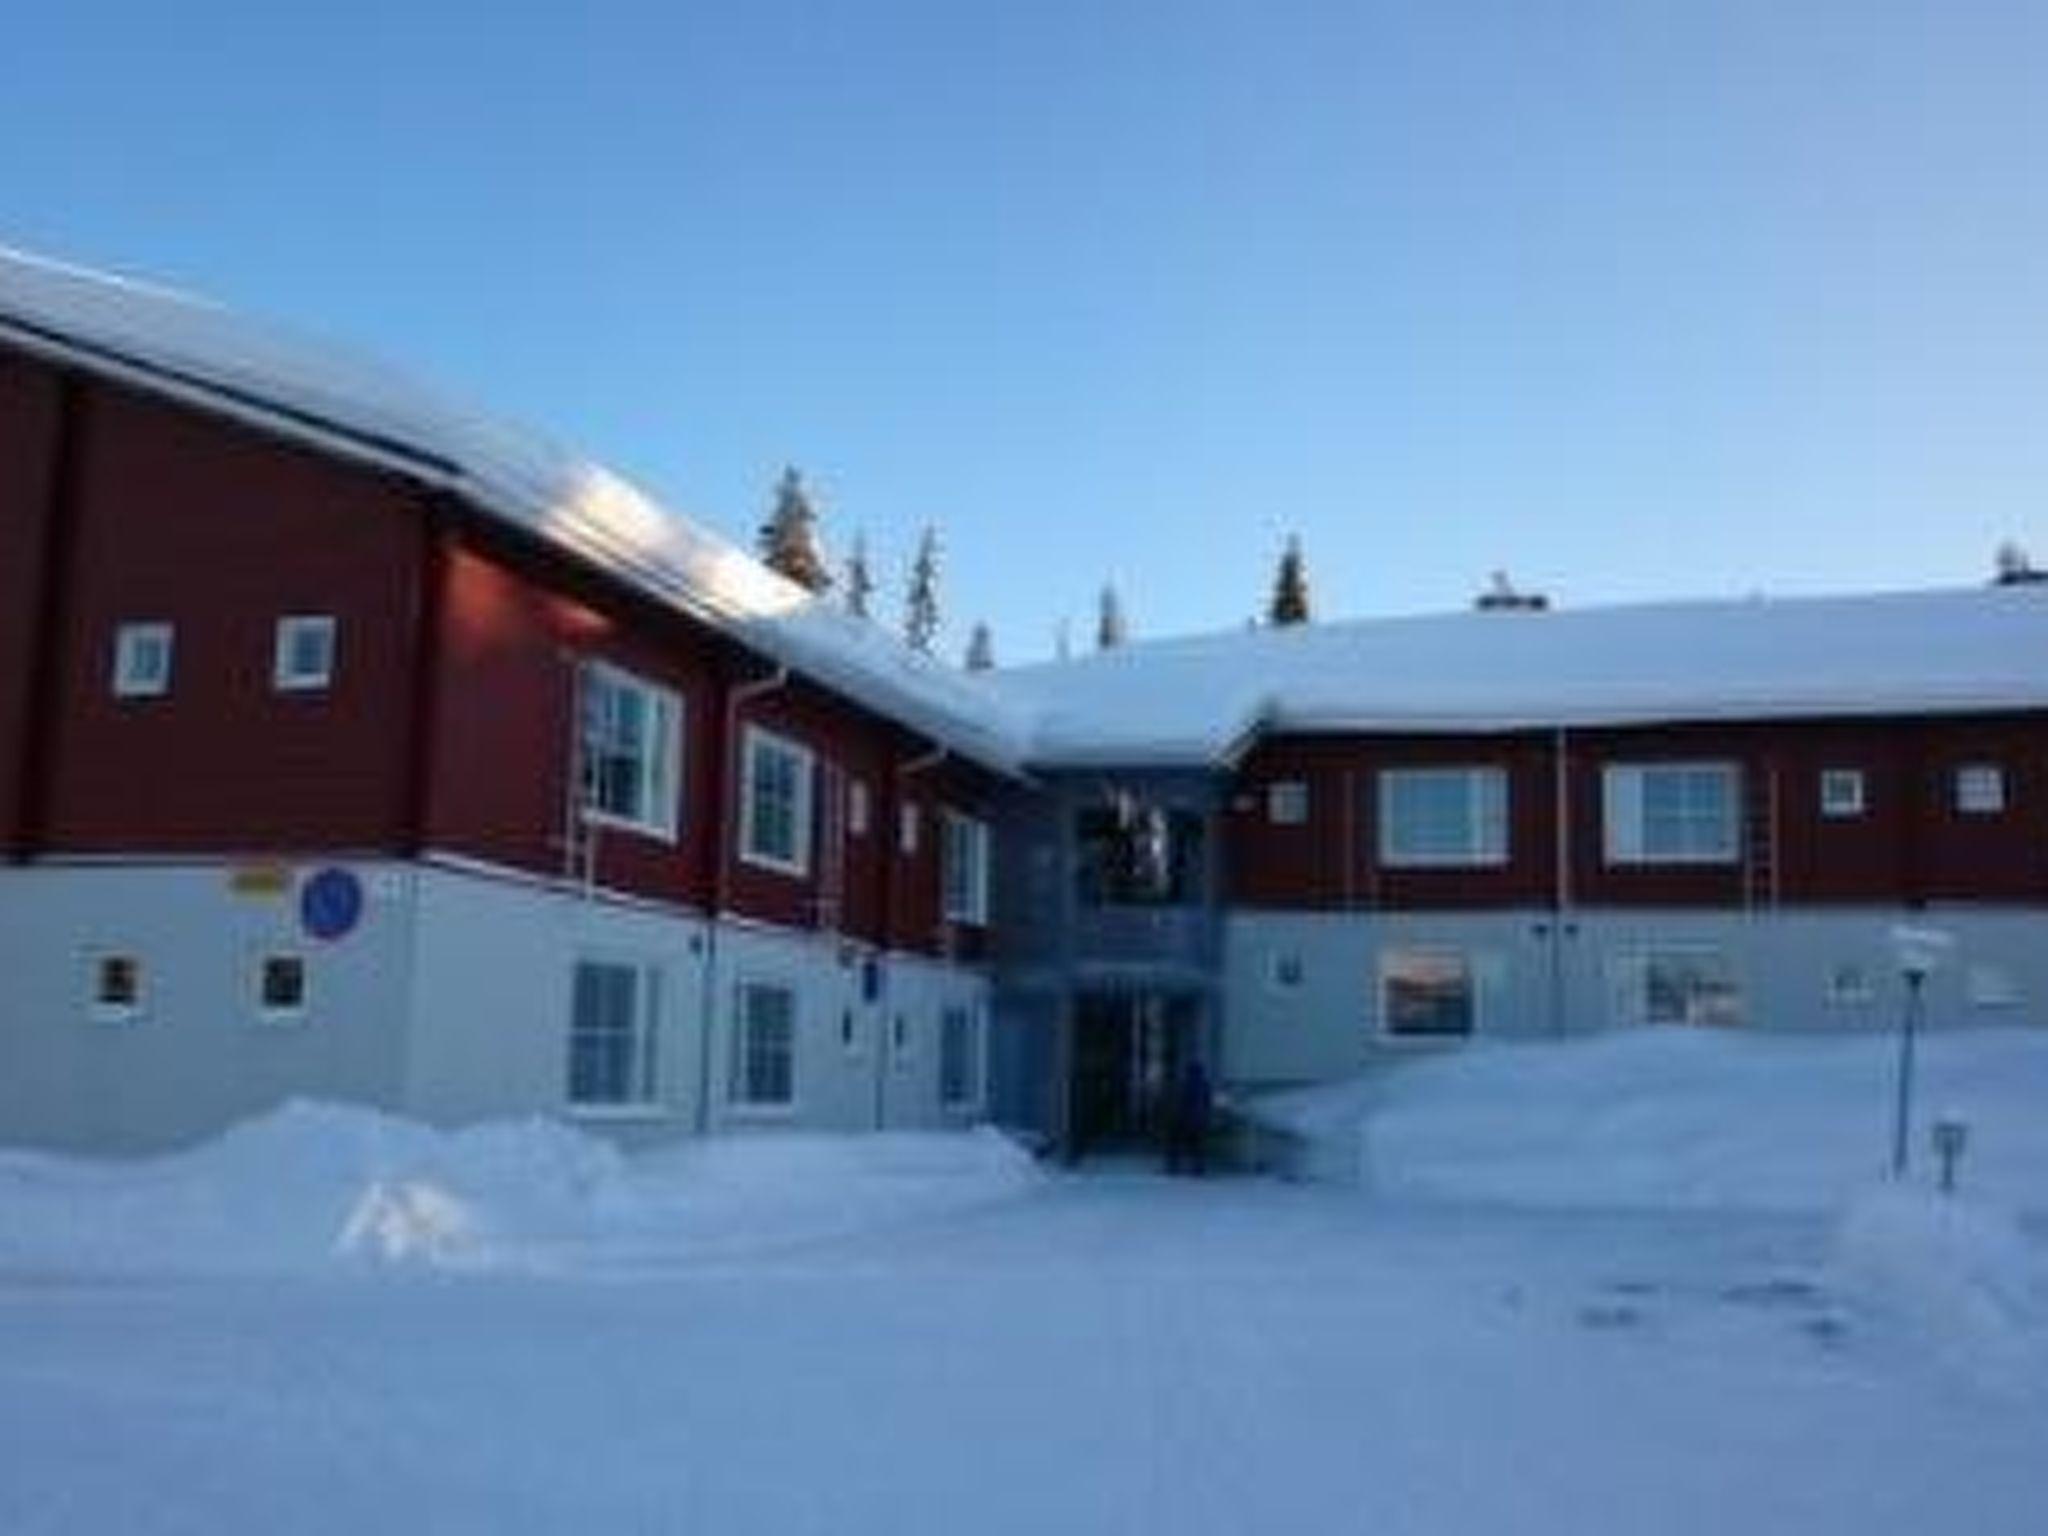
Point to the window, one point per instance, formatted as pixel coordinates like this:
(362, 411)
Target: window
(1130, 854)
(775, 818)
(614, 1035)
(1991, 986)
(959, 1057)
(1426, 993)
(1443, 817)
(1671, 813)
(142, 660)
(1287, 803)
(281, 988)
(1284, 970)
(632, 750)
(966, 869)
(908, 826)
(1841, 792)
(115, 987)
(859, 812)
(1980, 789)
(304, 658)
(1849, 985)
(764, 1047)
(1689, 986)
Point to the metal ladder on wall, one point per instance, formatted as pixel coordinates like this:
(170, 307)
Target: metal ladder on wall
(1760, 844)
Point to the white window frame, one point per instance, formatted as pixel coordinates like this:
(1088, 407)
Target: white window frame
(1980, 789)
(1844, 793)
(285, 673)
(909, 828)
(965, 891)
(97, 1007)
(1841, 991)
(270, 1013)
(1624, 826)
(660, 777)
(1486, 818)
(860, 810)
(1389, 958)
(1287, 803)
(643, 1098)
(1650, 954)
(739, 1081)
(756, 743)
(973, 1020)
(131, 642)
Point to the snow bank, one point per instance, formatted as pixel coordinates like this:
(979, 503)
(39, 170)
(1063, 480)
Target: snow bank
(1676, 1118)
(327, 1188)
(1962, 1275)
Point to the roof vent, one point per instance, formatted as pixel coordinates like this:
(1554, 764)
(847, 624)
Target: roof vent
(1503, 596)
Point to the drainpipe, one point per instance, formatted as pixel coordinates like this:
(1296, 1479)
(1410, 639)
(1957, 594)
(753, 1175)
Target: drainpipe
(722, 801)
(885, 1047)
(1561, 873)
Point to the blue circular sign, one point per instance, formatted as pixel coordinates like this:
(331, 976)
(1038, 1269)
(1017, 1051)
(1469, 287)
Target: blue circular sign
(331, 903)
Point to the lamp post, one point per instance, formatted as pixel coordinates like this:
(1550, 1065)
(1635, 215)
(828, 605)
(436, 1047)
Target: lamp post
(1918, 951)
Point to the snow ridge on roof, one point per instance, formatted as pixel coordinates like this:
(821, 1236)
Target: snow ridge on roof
(1194, 700)
(189, 346)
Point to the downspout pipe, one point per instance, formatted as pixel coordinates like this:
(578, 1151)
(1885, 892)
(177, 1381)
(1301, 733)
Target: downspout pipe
(722, 801)
(885, 1046)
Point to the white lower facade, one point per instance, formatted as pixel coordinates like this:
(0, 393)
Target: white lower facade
(1309, 996)
(144, 1006)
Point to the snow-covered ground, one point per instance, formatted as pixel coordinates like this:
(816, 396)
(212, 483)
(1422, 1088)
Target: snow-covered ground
(329, 1322)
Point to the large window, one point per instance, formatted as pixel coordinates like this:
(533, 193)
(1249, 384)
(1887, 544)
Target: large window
(1671, 813)
(1131, 854)
(966, 869)
(1427, 993)
(1443, 816)
(632, 750)
(775, 817)
(1689, 986)
(764, 1046)
(614, 1035)
(959, 1057)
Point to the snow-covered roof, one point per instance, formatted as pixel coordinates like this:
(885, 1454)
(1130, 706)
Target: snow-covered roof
(1191, 701)
(1195, 700)
(187, 347)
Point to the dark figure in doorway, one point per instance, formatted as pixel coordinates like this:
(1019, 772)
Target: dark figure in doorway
(1187, 1122)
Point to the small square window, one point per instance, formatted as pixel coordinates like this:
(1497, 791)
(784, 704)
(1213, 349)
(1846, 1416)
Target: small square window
(1849, 985)
(142, 660)
(116, 987)
(304, 660)
(281, 987)
(1287, 803)
(1980, 789)
(1842, 792)
(909, 828)
(859, 810)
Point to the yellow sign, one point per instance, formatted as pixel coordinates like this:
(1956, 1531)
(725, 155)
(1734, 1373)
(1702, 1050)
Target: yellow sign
(259, 879)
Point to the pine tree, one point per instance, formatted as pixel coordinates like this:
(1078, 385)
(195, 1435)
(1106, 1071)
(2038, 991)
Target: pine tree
(1110, 630)
(1290, 587)
(788, 540)
(860, 583)
(921, 609)
(981, 650)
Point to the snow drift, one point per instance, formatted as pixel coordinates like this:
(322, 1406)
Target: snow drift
(333, 1188)
(1676, 1119)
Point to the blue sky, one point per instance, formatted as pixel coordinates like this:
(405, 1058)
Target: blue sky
(1632, 299)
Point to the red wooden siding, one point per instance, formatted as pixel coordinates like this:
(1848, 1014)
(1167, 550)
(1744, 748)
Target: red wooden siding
(30, 406)
(221, 531)
(1910, 844)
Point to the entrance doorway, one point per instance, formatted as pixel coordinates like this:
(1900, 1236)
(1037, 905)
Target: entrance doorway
(1129, 1050)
